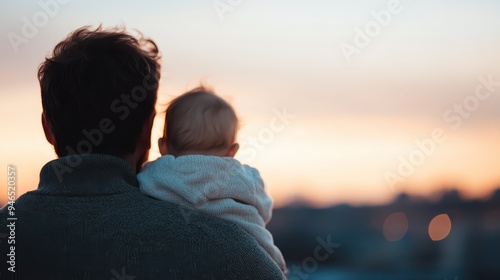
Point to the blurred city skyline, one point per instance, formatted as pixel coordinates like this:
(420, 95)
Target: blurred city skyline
(334, 97)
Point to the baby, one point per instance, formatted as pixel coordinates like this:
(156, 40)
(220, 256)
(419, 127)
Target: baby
(197, 169)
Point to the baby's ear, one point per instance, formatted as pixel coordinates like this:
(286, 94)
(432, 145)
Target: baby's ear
(162, 145)
(233, 150)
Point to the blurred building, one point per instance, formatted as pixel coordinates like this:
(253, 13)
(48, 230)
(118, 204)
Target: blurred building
(411, 238)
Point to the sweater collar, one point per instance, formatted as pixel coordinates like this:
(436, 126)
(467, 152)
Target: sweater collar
(87, 174)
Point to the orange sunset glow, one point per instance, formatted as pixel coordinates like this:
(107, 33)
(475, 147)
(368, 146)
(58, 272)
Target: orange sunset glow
(322, 125)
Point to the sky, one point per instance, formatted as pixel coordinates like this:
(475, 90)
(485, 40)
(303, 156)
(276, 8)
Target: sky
(340, 101)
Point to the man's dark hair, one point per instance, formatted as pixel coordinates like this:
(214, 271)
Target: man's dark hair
(99, 88)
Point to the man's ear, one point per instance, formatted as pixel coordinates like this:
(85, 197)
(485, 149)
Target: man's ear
(144, 140)
(233, 150)
(46, 130)
(143, 144)
(162, 145)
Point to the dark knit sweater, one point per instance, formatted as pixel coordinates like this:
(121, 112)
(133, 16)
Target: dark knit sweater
(96, 224)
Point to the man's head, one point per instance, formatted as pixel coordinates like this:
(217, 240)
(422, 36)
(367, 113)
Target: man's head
(99, 90)
(199, 122)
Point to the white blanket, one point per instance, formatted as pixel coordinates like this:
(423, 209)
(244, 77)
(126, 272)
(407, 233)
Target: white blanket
(218, 186)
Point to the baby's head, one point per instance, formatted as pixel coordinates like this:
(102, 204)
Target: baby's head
(199, 122)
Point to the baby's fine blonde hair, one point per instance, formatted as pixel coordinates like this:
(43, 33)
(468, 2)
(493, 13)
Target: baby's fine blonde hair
(200, 121)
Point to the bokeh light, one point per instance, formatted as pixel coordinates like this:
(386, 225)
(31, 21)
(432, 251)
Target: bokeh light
(439, 227)
(395, 226)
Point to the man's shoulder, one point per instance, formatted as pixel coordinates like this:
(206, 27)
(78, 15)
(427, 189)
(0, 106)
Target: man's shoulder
(151, 233)
(163, 214)
(134, 219)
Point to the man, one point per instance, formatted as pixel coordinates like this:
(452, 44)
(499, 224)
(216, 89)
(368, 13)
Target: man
(87, 219)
